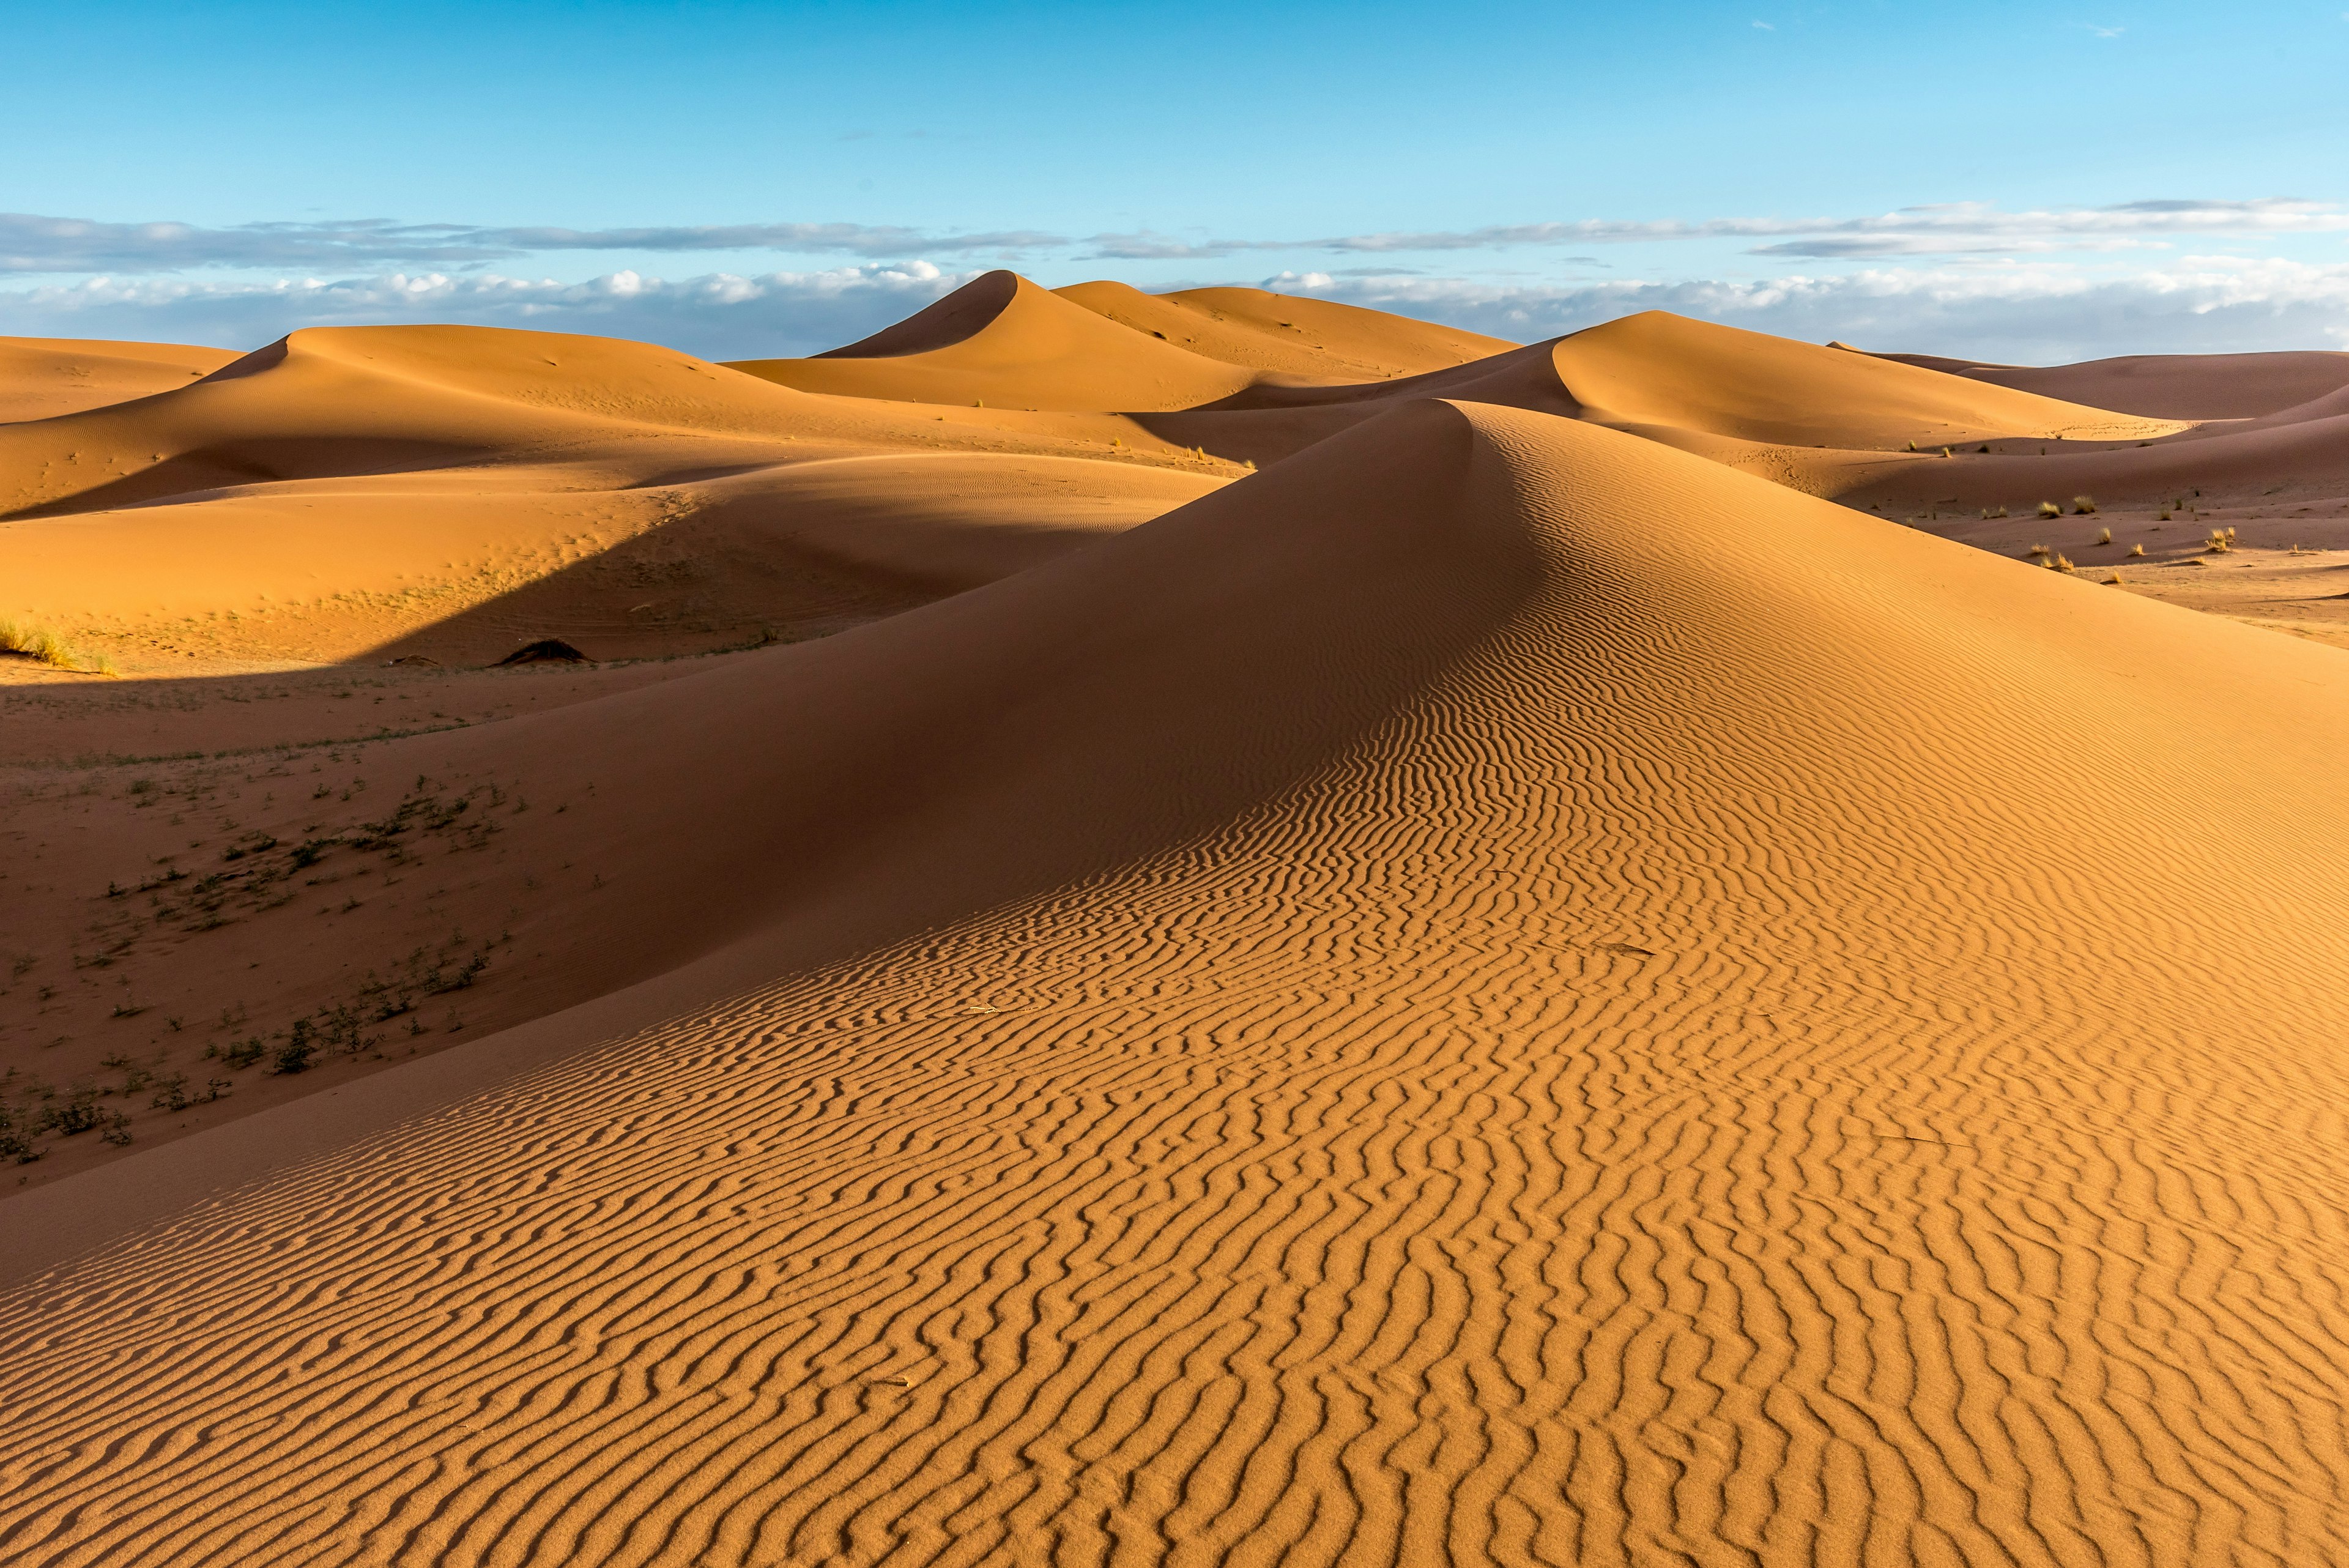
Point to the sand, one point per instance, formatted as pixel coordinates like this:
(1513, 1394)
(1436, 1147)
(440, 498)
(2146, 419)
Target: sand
(1506, 988)
(41, 377)
(2171, 386)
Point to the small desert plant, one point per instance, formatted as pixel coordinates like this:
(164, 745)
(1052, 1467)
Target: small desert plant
(36, 643)
(2113, 580)
(2036, 550)
(238, 1053)
(79, 1114)
(41, 644)
(1994, 512)
(2137, 549)
(2104, 535)
(2081, 505)
(293, 1056)
(2049, 508)
(2062, 564)
(2218, 544)
(2163, 515)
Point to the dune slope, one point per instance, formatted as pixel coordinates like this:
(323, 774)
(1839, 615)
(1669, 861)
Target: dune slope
(1001, 341)
(1759, 403)
(456, 491)
(1313, 339)
(1655, 369)
(2168, 386)
(1497, 994)
(41, 377)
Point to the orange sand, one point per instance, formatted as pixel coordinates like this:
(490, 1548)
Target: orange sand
(1503, 989)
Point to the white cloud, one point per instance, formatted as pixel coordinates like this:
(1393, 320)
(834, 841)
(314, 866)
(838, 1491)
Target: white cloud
(2044, 314)
(719, 315)
(2039, 312)
(1946, 228)
(30, 243)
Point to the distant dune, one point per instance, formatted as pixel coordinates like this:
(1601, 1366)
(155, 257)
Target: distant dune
(2170, 386)
(41, 377)
(1512, 984)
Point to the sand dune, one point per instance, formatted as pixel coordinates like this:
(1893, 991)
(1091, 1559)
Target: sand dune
(1660, 370)
(2168, 386)
(1511, 987)
(1314, 340)
(1496, 991)
(41, 377)
(455, 492)
(1002, 341)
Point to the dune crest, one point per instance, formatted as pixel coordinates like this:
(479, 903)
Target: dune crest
(1001, 341)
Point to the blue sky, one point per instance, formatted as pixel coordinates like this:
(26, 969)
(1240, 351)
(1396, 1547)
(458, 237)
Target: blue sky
(2034, 182)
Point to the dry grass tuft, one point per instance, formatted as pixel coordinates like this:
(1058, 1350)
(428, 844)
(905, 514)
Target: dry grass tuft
(2081, 505)
(2037, 550)
(39, 643)
(2104, 535)
(2049, 508)
(2218, 544)
(2063, 563)
(2137, 549)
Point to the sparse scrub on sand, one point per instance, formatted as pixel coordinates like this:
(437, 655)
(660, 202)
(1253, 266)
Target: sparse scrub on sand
(1990, 512)
(43, 646)
(2219, 541)
(2036, 551)
(2061, 563)
(2049, 508)
(2104, 535)
(2137, 549)
(2083, 505)
(295, 1051)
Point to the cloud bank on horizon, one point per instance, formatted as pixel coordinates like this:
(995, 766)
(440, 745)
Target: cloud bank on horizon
(1966, 278)
(2202, 306)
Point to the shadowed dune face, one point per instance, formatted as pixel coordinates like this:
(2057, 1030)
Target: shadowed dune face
(958, 317)
(1497, 992)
